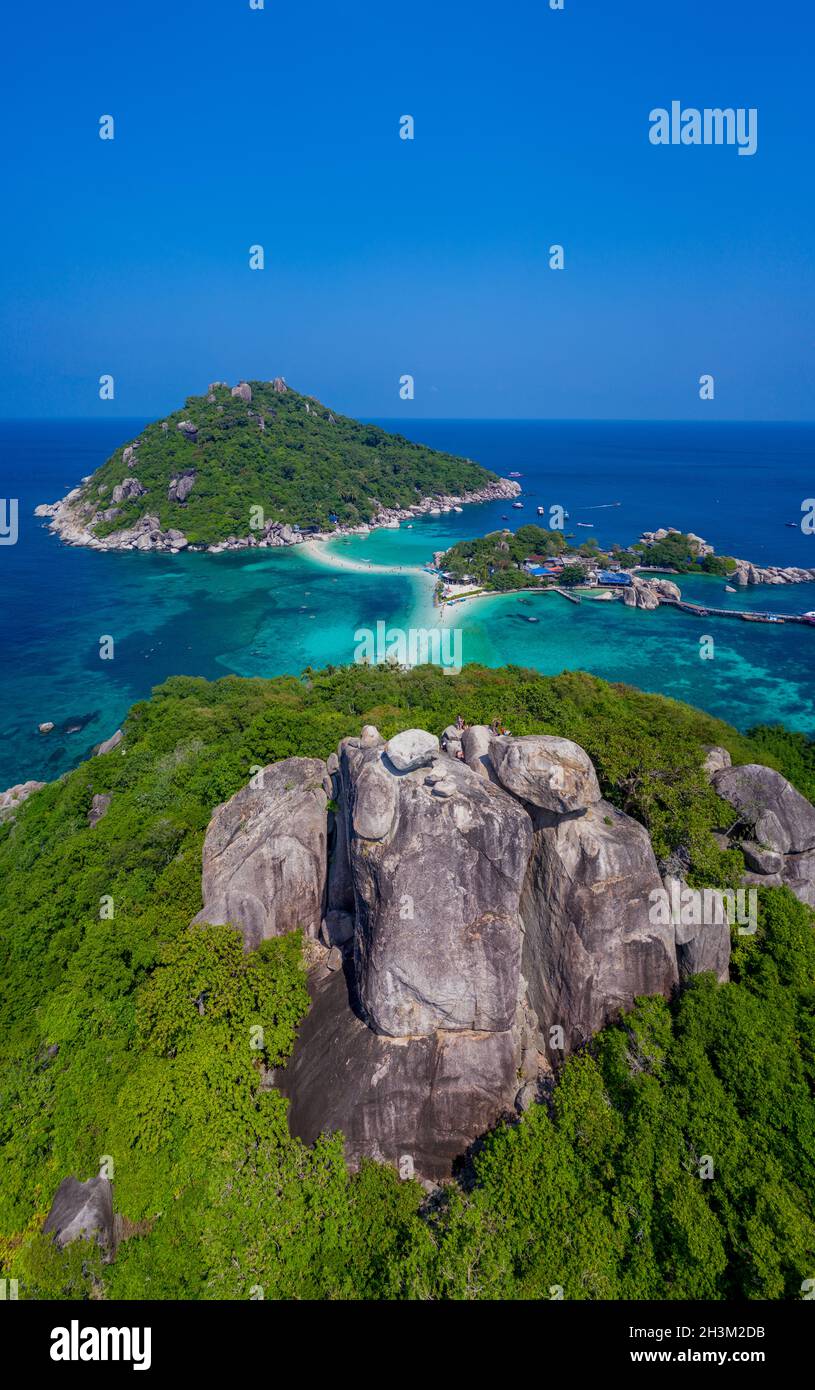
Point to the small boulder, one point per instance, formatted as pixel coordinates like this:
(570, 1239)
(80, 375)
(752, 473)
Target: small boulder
(46, 727)
(411, 749)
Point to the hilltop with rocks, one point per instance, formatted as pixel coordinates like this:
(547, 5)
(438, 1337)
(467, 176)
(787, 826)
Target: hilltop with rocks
(258, 464)
(476, 911)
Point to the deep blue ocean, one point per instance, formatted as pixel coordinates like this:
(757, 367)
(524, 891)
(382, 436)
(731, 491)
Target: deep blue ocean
(272, 612)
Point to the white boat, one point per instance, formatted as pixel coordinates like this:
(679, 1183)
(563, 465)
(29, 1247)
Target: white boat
(517, 504)
(516, 475)
(541, 511)
(458, 509)
(585, 523)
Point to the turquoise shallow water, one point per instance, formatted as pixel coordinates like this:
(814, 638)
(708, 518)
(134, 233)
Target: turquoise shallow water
(274, 612)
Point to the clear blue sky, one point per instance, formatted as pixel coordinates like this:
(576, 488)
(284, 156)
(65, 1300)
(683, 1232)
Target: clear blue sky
(386, 256)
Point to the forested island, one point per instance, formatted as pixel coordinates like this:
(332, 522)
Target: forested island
(147, 1050)
(534, 556)
(260, 464)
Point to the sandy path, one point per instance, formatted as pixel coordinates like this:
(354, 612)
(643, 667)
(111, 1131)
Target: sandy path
(323, 552)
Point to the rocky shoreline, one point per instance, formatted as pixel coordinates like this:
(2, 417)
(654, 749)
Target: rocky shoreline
(66, 520)
(745, 572)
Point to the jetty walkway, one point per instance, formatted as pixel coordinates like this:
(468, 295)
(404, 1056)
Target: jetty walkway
(702, 611)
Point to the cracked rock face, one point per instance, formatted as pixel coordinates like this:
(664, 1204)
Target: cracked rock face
(423, 1098)
(264, 861)
(436, 884)
(589, 945)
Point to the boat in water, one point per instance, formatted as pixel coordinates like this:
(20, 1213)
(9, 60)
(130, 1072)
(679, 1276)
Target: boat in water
(517, 504)
(585, 523)
(516, 475)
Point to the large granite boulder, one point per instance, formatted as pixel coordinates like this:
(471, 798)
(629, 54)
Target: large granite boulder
(181, 486)
(411, 749)
(780, 846)
(702, 945)
(265, 853)
(437, 859)
(551, 773)
(779, 816)
(426, 1099)
(82, 1211)
(128, 490)
(590, 946)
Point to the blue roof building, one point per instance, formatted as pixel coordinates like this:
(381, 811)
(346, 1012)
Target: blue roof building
(613, 577)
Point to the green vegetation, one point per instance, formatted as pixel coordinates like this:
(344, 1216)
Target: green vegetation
(680, 552)
(306, 464)
(166, 1036)
(496, 560)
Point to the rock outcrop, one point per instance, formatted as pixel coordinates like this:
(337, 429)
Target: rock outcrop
(14, 797)
(181, 486)
(423, 1099)
(774, 827)
(265, 854)
(127, 490)
(590, 946)
(476, 910)
(100, 805)
(82, 1211)
(109, 744)
(436, 881)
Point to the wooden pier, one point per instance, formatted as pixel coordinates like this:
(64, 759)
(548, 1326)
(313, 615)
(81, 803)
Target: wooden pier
(699, 611)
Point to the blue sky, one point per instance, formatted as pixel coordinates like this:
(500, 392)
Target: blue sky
(384, 256)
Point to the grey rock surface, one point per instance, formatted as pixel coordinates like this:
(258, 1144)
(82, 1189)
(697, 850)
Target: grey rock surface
(590, 946)
(554, 774)
(411, 749)
(780, 818)
(436, 886)
(110, 743)
(265, 854)
(428, 1098)
(82, 1210)
(181, 486)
